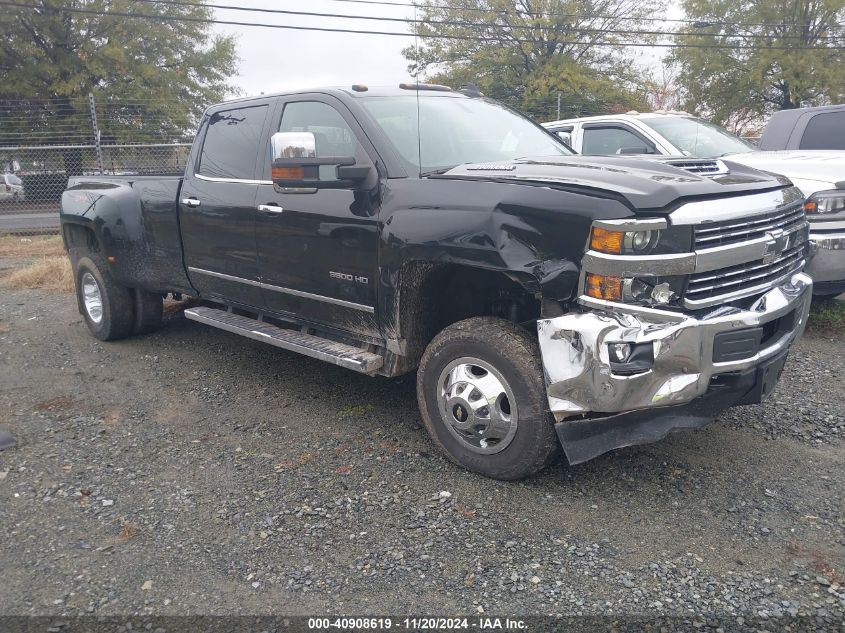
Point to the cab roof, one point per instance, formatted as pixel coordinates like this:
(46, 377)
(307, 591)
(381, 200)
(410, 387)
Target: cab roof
(360, 90)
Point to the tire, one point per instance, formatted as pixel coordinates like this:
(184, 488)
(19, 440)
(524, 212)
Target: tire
(492, 355)
(148, 311)
(116, 316)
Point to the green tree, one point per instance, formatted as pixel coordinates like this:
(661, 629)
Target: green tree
(525, 52)
(150, 78)
(795, 61)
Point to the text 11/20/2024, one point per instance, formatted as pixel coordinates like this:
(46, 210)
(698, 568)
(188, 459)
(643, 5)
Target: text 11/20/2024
(482, 624)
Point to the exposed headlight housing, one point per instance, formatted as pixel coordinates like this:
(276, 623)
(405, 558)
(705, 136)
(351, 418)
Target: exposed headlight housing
(646, 291)
(822, 202)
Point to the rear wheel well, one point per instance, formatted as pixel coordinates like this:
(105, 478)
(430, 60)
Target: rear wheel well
(80, 240)
(434, 296)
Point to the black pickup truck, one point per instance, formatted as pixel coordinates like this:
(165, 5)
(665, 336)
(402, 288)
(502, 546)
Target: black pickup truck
(546, 300)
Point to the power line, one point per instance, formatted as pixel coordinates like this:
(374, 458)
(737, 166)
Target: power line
(526, 27)
(565, 15)
(167, 18)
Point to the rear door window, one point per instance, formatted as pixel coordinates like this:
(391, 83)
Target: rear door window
(825, 131)
(231, 143)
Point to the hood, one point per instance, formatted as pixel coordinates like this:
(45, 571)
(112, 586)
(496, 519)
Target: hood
(821, 166)
(644, 184)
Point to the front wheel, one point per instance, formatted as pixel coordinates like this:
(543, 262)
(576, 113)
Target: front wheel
(482, 398)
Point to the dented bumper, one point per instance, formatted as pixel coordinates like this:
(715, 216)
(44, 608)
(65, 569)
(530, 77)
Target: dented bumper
(725, 352)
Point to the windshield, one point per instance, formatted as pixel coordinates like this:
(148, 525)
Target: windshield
(454, 131)
(698, 138)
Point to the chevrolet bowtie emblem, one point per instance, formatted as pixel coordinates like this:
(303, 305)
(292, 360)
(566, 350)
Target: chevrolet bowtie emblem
(774, 246)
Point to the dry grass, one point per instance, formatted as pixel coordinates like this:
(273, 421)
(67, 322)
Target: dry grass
(49, 273)
(50, 246)
(828, 316)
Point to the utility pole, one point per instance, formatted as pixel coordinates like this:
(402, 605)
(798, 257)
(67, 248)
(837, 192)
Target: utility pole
(558, 104)
(96, 131)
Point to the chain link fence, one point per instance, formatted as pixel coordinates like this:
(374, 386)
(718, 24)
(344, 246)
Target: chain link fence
(44, 143)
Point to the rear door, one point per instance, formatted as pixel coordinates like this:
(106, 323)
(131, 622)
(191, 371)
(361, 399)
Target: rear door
(318, 249)
(217, 204)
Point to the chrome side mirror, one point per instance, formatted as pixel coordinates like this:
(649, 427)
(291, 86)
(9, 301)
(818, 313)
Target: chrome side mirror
(566, 137)
(297, 165)
(293, 145)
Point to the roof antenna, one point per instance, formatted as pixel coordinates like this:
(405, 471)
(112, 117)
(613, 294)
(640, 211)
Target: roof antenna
(417, 84)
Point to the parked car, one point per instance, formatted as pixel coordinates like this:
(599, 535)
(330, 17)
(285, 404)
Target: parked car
(822, 127)
(588, 302)
(11, 188)
(820, 175)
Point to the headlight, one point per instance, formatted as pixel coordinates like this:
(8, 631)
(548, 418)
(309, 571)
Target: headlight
(641, 241)
(832, 201)
(622, 242)
(645, 241)
(642, 261)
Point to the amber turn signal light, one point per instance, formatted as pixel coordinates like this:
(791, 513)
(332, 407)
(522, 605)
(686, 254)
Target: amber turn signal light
(606, 241)
(601, 287)
(288, 173)
(810, 206)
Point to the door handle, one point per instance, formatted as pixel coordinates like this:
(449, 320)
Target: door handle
(191, 202)
(270, 208)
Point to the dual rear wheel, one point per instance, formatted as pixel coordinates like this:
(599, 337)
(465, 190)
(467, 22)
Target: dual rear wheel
(113, 311)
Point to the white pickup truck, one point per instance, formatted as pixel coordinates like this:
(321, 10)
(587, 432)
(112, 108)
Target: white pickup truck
(820, 175)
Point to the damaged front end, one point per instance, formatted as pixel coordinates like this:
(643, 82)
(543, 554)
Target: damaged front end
(620, 374)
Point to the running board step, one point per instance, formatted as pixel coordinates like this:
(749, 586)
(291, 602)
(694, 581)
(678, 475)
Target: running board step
(306, 344)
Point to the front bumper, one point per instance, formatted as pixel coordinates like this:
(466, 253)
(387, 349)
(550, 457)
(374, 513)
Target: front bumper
(689, 360)
(827, 267)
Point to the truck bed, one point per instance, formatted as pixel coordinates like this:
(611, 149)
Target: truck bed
(139, 215)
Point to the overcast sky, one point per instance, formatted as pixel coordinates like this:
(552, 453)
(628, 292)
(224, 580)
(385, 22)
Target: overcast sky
(274, 60)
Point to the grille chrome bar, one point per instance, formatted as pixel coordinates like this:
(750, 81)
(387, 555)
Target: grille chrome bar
(734, 232)
(719, 279)
(708, 289)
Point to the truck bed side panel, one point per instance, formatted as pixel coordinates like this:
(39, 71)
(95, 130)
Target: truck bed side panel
(136, 222)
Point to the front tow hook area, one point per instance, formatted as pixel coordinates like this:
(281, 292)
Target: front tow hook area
(619, 375)
(582, 440)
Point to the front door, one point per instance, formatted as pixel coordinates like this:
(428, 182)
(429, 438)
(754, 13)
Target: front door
(318, 249)
(217, 205)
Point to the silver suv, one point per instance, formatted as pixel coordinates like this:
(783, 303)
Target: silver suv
(11, 189)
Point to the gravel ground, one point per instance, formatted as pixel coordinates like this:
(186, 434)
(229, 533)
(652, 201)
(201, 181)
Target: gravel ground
(195, 472)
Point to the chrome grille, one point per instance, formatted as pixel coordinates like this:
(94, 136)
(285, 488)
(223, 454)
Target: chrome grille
(743, 279)
(750, 228)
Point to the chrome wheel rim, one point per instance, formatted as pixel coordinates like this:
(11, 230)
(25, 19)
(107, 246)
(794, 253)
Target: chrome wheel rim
(92, 298)
(477, 405)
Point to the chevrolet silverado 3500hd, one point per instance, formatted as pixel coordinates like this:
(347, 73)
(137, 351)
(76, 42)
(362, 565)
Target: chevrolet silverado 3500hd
(545, 299)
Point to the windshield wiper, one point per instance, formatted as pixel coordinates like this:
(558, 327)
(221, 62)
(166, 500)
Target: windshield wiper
(436, 172)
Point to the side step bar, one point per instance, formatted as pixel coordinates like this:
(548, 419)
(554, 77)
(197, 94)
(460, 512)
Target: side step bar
(307, 344)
